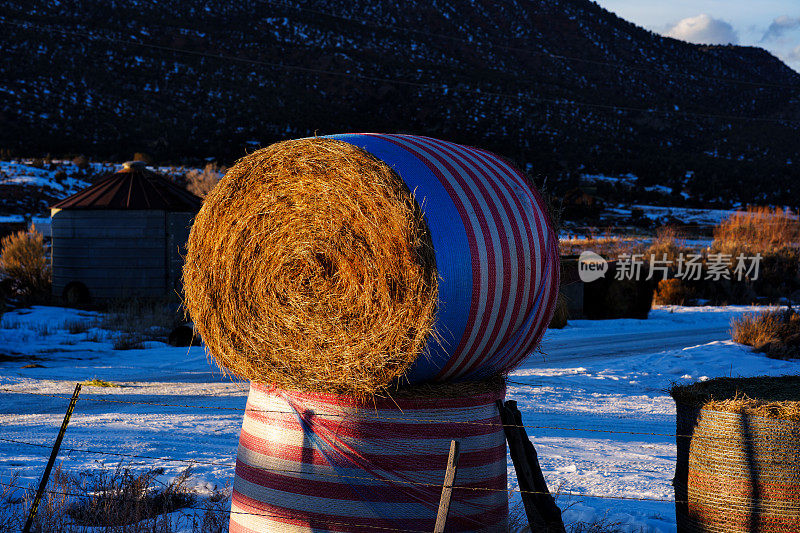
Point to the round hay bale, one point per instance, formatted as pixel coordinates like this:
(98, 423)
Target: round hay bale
(344, 264)
(738, 455)
(323, 462)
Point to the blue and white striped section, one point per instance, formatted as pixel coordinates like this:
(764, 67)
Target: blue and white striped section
(496, 253)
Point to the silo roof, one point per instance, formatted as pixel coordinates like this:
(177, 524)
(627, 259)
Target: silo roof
(133, 187)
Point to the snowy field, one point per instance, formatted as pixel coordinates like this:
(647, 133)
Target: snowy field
(595, 403)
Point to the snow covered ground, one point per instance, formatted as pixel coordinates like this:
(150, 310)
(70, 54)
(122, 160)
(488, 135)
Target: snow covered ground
(596, 403)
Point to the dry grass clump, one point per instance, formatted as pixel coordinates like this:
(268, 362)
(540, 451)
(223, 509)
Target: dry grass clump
(757, 229)
(609, 246)
(116, 500)
(96, 382)
(774, 332)
(122, 496)
(771, 397)
(141, 319)
(24, 260)
(667, 245)
(310, 266)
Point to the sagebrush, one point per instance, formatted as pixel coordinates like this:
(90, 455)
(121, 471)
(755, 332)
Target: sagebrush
(23, 260)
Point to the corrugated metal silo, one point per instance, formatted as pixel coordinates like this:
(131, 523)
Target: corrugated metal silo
(123, 236)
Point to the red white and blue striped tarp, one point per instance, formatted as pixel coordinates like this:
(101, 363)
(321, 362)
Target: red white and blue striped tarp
(496, 253)
(321, 462)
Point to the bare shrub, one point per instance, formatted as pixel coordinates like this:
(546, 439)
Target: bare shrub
(24, 260)
(200, 182)
(775, 332)
(774, 233)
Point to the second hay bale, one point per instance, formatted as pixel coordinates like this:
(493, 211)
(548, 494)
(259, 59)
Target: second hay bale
(738, 455)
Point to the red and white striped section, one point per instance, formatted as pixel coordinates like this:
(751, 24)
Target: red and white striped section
(514, 250)
(320, 462)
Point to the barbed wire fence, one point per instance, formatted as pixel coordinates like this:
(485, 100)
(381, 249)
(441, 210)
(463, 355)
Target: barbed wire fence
(189, 462)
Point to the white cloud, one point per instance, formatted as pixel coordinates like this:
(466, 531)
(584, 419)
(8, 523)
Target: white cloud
(703, 29)
(780, 26)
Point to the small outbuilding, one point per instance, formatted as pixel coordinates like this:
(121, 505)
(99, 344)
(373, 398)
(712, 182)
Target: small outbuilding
(124, 236)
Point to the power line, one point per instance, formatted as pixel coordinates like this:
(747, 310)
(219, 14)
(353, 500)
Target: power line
(430, 86)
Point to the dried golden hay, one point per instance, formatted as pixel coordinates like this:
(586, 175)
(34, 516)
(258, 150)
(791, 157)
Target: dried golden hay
(310, 266)
(767, 396)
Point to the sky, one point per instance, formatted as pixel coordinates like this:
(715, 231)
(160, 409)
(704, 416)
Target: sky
(770, 24)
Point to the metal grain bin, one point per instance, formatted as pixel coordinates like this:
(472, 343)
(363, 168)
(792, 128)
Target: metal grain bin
(123, 236)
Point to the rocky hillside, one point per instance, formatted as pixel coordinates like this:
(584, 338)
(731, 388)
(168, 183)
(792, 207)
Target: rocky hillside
(561, 86)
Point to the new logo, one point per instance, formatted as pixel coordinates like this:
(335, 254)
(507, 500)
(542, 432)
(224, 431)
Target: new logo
(591, 267)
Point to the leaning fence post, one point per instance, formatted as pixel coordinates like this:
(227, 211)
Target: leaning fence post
(447, 488)
(53, 455)
(540, 507)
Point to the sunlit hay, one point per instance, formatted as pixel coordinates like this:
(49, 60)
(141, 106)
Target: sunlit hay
(310, 266)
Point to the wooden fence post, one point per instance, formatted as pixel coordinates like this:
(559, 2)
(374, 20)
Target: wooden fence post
(540, 507)
(53, 455)
(447, 488)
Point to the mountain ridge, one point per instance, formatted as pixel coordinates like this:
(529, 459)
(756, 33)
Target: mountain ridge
(559, 86)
